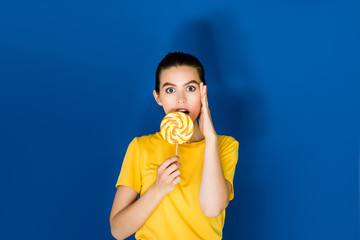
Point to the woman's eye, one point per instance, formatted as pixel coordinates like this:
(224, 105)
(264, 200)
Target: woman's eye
(170, 90)
(191, 88)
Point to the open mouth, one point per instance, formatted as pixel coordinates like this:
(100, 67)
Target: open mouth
(183, 111)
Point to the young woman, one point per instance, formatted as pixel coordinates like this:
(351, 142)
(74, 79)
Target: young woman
(183, 196)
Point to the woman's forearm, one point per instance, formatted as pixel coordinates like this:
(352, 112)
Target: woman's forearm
(131, 218)
(213, 193)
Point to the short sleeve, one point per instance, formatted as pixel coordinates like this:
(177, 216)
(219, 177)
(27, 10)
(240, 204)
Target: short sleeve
(130, 174)
(229, 148)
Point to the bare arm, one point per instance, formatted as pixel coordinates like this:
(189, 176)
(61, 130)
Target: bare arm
(128, 214)
(214, 193)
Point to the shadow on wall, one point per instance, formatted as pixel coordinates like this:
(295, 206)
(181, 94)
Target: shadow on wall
(237, 109)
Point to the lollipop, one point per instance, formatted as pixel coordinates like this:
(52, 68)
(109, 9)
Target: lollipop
(177, 128)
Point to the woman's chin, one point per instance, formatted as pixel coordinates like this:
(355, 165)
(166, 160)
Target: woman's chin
(194, 118)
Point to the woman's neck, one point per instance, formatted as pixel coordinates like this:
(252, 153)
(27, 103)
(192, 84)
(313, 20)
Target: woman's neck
(197, 135)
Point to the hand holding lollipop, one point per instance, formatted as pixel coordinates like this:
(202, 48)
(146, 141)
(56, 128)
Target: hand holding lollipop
(177, 128)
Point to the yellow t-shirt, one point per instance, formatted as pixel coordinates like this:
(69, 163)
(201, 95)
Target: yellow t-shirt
(178, 216)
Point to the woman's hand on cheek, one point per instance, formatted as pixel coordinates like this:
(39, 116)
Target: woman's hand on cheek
(205, 122)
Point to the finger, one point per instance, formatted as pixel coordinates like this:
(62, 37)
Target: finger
(176, 181)
(175, 174)
(206, 99)
(177, 164)
(172, 168)
(201, 90)
(174, 160)
(168, 162)
(175, 177)
(203, 94)
(201, 86)
(203, 103)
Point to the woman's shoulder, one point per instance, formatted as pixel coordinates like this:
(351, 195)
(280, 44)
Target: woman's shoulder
(149, 139)
(224, 140)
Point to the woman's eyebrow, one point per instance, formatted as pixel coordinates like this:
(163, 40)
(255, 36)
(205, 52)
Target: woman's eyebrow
(192, 81)
(171, 84)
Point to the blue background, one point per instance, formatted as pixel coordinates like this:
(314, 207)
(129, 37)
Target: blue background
(76, 85)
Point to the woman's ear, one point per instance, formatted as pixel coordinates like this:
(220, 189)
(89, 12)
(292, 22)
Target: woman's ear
(157, 99)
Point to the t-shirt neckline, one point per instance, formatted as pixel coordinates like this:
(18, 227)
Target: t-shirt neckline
(185, 144)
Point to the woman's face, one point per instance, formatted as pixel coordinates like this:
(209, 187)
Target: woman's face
(179, 91)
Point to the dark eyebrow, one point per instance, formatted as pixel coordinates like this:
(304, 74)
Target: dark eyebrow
(171, 84)
(192, 81)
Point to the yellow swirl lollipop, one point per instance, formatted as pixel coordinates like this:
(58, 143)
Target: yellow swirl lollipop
(177, 128)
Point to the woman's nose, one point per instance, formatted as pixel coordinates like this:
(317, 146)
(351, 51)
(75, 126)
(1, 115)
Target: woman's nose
(181, 98)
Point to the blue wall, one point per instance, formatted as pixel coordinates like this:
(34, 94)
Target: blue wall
(76, 85)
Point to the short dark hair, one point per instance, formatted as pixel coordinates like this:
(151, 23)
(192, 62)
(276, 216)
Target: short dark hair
(175, 59)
